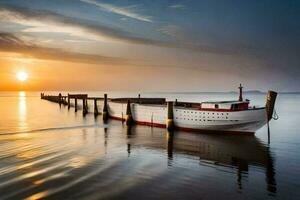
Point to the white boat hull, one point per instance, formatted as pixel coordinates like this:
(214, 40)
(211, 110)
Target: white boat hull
(191, 119)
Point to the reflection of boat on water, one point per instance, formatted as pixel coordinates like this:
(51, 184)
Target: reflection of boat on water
(235, 152)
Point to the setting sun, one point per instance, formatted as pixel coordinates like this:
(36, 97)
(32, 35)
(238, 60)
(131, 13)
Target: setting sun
(22, 76)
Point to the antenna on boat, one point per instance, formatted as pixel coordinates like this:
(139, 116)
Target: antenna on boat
(241, 92)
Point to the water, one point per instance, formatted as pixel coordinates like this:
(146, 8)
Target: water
(50, 152)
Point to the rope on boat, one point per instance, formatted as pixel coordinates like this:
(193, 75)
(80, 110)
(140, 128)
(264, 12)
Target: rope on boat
(275, 115)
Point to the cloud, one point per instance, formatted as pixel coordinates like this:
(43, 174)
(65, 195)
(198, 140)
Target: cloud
(174, 31)
(124, 11)
(51, 22)
(47, 21)
(177, 6)
(12, 43)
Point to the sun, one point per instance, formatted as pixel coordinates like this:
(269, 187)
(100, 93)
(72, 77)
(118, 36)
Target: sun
(22, 76)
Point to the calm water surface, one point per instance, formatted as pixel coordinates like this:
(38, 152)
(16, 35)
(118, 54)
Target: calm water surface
(50, 152)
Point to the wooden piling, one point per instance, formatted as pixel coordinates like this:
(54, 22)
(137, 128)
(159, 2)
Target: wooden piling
(69, 101)
(59, 98)
(84, 106)
(96, 112)
(75, 104)
(128, 118)
(170, 116)
(105, 113)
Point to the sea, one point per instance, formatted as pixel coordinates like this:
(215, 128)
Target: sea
(50, 152)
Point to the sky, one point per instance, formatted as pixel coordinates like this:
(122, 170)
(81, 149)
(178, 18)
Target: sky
(150, 45)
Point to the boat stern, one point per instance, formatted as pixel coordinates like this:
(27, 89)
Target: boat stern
(270, 104)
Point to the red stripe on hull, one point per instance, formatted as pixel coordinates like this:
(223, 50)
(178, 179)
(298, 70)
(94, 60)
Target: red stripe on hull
(186, 129)
(151, 124)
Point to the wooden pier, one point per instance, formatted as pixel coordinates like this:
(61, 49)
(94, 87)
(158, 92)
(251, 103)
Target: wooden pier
(66, 100)
(84, 98)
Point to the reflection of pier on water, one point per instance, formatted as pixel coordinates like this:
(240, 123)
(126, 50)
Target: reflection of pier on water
(228, 151)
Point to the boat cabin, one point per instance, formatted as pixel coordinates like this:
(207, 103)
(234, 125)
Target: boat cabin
(225, 105)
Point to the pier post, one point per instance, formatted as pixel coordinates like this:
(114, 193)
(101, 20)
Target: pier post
(170, 117)
(42, 95)
(128, 118)
(96, 112)
(59, 98)
(84, 106)
(270, 103)
(75, 104)
(105, 109)
(69, 103)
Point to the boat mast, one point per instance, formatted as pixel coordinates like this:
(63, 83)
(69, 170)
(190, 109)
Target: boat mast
(241, 93)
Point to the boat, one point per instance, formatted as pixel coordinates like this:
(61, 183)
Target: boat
(235, 116)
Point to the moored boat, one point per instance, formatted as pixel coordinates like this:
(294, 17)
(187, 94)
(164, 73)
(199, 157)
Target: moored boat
(213, 116)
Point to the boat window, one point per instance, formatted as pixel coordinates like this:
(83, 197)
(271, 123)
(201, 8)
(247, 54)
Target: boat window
(234, 106)
(216, 106)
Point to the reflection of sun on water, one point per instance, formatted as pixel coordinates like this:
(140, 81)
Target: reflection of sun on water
(39, 195)
(22, 110)
(22, 94)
